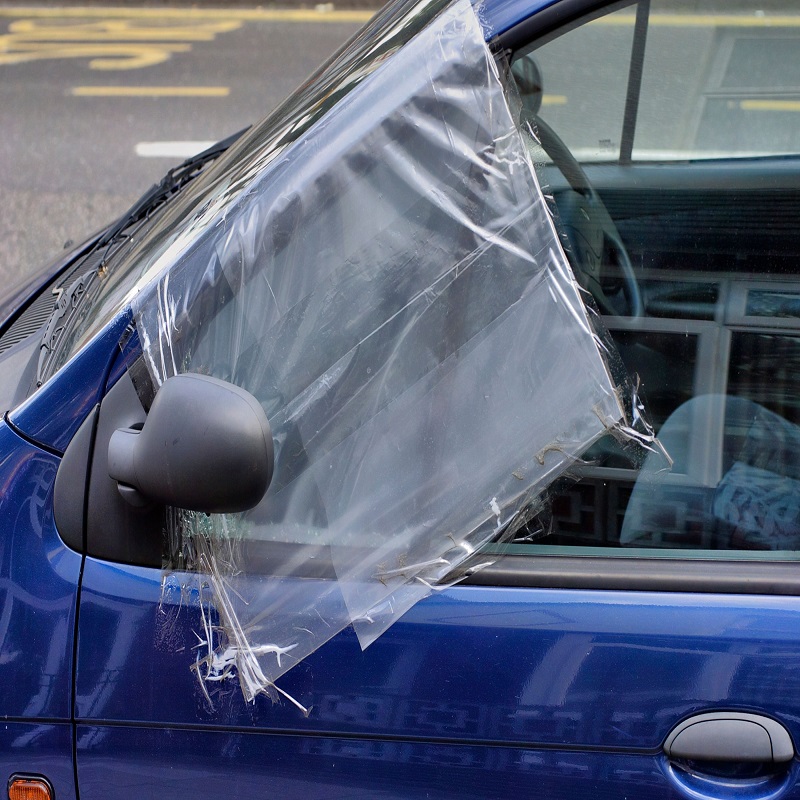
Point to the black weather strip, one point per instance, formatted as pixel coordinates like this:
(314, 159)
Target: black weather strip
(74, 688)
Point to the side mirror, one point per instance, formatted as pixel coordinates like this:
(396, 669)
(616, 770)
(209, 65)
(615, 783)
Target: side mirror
(206, 445)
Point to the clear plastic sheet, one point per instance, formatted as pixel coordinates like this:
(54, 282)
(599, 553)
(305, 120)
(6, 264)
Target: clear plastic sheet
(394, 293)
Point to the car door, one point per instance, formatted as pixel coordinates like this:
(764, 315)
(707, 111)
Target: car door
(635, 636)
(40, 581)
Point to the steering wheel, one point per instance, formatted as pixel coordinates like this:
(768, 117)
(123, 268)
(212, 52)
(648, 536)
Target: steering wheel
(593, 237)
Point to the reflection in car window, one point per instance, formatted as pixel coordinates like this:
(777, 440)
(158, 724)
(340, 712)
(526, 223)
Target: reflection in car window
(584, 81)
(699, 84)
(719, 85)
(700, 222)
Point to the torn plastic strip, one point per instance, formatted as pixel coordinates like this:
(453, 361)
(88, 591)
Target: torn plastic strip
(394, 293)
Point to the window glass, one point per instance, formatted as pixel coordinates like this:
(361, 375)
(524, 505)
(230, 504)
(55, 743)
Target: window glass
(584, 75)
(719, 84)
(689, 250)
(711, 84)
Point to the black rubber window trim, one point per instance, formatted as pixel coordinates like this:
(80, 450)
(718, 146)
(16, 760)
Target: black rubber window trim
(653, 574)
(618, 571)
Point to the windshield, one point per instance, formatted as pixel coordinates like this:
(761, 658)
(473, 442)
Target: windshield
(207, 199)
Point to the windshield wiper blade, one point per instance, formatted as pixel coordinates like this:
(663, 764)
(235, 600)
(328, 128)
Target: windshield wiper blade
(172, 182)
(67, 304)
(70, 298)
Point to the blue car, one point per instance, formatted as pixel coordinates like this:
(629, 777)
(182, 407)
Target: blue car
(437, 436)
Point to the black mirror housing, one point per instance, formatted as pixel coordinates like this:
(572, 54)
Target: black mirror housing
(206, 445)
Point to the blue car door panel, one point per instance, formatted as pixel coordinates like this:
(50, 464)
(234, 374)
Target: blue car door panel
(476, 691)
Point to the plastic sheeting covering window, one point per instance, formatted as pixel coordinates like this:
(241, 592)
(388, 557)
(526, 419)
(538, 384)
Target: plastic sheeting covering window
(395, 295)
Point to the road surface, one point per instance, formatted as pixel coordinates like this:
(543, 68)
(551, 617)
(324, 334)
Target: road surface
(95, 105)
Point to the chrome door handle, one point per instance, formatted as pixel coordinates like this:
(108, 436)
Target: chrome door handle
(730, 736)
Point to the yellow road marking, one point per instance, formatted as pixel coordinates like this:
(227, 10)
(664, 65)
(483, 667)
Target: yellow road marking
(115, 30)
(150, 91)
(770, 105)
(241, 15)
(554, 100)
(110, 44)
(117, 56)
(705, 20)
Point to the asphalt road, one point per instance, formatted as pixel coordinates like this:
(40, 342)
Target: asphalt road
(97, 103)
(96, 106)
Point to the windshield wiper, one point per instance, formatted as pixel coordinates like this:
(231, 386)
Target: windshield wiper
(170, 184)
(70, 298)
(66, 305)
